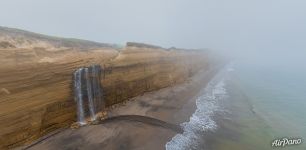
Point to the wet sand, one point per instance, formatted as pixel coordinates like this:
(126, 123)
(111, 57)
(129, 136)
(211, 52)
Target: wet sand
(173, 105)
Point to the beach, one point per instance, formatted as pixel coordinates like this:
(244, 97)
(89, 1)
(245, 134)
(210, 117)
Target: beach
(174, 104)
(43, 89)
(210, 111)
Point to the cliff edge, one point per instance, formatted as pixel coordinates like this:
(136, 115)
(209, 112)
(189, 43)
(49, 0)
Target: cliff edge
(36, 94)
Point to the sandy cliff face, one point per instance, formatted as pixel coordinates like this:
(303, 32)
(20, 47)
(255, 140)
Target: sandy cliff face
(36, 94)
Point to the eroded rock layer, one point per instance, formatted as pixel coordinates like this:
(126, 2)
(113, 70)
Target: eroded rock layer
(37, 96)
(36, 84)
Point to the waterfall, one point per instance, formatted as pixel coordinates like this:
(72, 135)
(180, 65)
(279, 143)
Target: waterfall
(79, 95)
(88, 92)
(97, 90)
(91, 104)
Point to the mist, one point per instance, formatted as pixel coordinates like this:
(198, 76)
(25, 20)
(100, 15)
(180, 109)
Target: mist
(261, 31)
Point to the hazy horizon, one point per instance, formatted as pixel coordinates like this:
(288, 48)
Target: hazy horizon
(247, 29)
(243, 89)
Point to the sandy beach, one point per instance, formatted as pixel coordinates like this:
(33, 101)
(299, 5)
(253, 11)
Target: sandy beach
(173, 105)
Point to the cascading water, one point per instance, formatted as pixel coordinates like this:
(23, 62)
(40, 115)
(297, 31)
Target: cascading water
(78, 76)
(97, 90)
(88, 93)
(91, 104)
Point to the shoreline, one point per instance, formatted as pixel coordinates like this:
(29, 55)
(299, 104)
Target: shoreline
(37, 83)
(240, 127)
(173, 104)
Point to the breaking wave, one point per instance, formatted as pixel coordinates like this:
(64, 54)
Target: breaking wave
(201, 120)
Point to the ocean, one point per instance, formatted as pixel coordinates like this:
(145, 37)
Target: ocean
(247, 106)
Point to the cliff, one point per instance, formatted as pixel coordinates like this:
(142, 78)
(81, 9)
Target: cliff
(36, 89)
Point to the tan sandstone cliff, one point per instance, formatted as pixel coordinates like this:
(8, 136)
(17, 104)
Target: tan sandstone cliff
(36, 94)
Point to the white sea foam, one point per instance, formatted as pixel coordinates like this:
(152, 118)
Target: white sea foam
(201, 120)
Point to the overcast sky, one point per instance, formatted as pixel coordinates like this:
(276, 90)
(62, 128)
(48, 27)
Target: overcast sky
(244, 26)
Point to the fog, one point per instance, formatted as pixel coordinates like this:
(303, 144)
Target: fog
(257, 30)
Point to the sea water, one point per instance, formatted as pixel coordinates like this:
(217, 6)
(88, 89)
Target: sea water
(256, 103)
(278, 95)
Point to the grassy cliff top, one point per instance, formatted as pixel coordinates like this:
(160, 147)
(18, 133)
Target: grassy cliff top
(16, 38)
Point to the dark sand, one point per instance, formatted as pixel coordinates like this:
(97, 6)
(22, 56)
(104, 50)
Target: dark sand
(173, 105)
